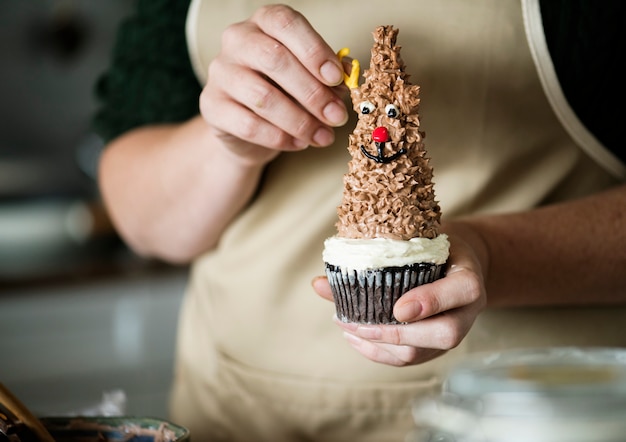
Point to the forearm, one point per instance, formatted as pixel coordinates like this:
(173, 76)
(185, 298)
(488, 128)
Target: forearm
(171, 190)
(573, 253)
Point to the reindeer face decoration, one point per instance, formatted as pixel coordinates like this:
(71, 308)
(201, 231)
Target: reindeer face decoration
(388, 190)
(388, 122)
(386, 104)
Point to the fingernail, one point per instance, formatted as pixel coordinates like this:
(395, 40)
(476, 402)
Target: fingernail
(408, 312)
(353, 340)
(316, 278)
(323, 136)
(367, 332)
(332, 73)
(351, 326)
(335, 113)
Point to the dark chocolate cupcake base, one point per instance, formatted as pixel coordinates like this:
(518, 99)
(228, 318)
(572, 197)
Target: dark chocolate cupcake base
(368, 296)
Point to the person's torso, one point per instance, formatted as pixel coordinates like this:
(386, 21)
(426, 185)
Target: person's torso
(495, 146)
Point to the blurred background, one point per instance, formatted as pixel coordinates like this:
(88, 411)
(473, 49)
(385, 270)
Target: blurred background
(80, 315)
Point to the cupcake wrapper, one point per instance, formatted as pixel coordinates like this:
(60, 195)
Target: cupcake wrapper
(368, 296)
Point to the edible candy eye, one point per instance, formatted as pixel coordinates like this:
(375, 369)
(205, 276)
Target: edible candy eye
(366, 107)
(392, 111)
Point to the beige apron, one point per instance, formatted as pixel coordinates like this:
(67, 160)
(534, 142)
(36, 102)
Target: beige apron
(258, 355)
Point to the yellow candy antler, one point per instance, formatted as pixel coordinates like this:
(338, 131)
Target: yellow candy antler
(352, 80)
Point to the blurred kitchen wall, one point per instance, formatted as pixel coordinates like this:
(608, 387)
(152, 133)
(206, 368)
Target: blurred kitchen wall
(52, 52)
(79, 313)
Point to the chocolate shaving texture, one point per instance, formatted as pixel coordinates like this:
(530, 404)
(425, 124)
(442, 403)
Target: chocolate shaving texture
(393, 200)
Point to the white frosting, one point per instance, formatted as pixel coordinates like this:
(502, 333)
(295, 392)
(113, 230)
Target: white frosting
(359, 254)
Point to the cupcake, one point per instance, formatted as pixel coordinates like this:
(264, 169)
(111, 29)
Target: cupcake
(387, 239)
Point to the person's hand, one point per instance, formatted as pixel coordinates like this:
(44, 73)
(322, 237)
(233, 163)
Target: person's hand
(270, 89)
(437, 315)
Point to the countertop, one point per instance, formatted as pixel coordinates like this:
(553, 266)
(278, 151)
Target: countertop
(65, 343)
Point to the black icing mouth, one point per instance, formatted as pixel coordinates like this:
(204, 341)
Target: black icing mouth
(380, 157)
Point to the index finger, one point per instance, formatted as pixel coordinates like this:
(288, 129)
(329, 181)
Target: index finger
(322, 287)
(293, 30)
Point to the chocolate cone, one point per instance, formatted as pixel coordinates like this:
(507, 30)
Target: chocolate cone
(388, 190)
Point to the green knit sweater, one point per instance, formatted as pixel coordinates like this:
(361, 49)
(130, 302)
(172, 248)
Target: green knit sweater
(150, 78)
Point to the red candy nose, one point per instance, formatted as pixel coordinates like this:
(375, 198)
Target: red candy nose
(380, 134)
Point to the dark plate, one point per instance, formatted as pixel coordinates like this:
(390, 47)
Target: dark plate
(114, 429)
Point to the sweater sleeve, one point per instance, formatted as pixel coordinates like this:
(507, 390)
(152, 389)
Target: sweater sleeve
(150, 79)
